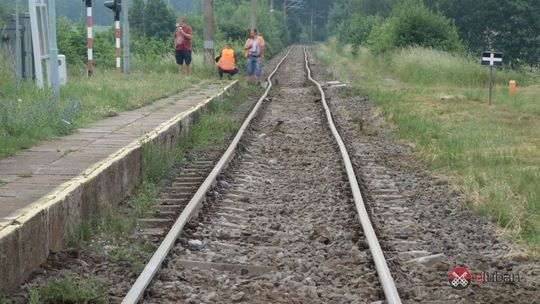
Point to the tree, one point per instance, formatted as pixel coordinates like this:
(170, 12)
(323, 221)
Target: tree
(158, 19)
(353, 20)
(411, 23)
(507, 26)
(184, 6)
(2, 11)
(136, 17)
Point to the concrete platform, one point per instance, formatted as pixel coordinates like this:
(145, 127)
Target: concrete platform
(49, 189)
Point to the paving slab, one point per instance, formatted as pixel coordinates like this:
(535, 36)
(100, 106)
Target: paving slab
(47, 190)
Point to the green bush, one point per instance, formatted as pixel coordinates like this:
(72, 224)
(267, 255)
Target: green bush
(71, 40)
(357, 28)
(2, 11)
(159, 19)
(233, 26)
(411, 23)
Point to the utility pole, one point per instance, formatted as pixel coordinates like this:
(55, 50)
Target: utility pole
(253, 23)
(208, 32)
(53, 60)
(285, 11)
(126, 37)
(89, 35)
(311, 27)
(18, 59)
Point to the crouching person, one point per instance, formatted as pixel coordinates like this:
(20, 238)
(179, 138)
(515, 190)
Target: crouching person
(227, 62)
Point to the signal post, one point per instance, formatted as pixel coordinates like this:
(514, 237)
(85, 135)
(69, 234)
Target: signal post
(116, 7)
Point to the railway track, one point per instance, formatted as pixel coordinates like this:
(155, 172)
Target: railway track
(283, 221)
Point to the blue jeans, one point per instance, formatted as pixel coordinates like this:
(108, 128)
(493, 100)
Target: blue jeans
(254, 67)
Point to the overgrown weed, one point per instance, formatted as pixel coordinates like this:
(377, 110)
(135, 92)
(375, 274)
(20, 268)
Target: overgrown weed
(438, 103)
(71, 288)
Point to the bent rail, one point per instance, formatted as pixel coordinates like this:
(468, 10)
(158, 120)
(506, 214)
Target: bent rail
(385, 277)
(153, 266)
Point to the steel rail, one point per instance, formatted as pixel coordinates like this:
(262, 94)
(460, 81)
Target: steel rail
(137, 290)
(385, 277)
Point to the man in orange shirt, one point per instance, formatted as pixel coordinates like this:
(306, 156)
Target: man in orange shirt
(254, 52)
(226, 62)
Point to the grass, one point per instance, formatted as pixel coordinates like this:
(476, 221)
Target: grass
(80, 235)
(4, 300)
(74, 289)
(437, 103)
(29, 115)
(116, 225)
(33, 294)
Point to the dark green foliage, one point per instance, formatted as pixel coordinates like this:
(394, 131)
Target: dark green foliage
(158, 19)
(196, 23)
(71, 40)
(184, 6)
(356, 29)
(343, 10)
(411, 23)
(136, 17)
(2, 12)
(511, 27)
(231, 21)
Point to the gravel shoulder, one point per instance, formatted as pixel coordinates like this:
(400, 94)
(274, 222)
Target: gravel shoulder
(421, 219)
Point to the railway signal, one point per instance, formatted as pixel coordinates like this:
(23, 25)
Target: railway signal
(89, 37)
(116, 7)
(491, 59)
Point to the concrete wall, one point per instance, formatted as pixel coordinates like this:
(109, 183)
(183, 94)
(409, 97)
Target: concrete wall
(26, 245)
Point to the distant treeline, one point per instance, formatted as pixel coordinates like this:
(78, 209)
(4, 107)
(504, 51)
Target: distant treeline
(511, 27)
(152, 24)
(75, 10)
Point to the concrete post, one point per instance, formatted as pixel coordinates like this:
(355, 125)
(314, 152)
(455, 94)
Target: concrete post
(53, 61)
(253, 23)
(208, 32)
(18, 59)
(126, 37)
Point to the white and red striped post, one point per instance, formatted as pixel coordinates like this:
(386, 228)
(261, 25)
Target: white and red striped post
(89, 37)
(117, 36)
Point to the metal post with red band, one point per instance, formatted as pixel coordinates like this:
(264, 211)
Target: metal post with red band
(89, 37)
(117, 36)
(115, 6)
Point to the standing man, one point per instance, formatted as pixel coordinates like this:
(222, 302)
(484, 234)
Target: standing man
(254, 52)
(182, 42)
